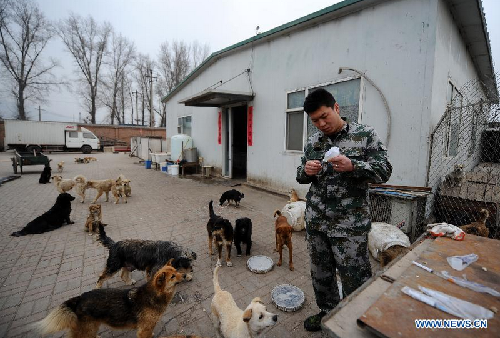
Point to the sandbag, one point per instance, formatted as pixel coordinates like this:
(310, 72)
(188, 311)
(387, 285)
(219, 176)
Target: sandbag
(382, 236)
(294, 213)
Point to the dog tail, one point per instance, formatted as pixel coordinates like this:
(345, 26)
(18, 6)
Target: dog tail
(59, 319)
(80, 179)
(277, 212)
(216, 280)
(103, 238)
(484, 215)
(211, 208)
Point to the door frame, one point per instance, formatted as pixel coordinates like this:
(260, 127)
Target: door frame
(227, 138)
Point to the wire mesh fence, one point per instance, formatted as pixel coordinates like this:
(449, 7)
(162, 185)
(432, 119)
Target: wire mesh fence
(464, 160)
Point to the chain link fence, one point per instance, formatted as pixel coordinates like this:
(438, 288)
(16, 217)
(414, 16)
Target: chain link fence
(464, 160)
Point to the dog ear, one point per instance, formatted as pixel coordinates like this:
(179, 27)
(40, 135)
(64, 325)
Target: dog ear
(160, 280)
(247, 315)
(169, 263)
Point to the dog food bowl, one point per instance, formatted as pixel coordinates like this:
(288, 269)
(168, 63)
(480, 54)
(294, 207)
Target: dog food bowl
(287, 297)
(260, 264)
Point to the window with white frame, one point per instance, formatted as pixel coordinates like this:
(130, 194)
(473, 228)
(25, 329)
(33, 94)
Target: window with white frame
(455, 101)
(295, 120)
(184, 125)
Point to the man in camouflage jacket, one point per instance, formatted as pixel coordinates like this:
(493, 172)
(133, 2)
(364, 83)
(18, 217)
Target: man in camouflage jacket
(337, 209)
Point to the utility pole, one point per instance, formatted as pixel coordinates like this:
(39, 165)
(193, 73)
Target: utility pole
(80, 117)
(39, 113)
(136, 109)
(151, 110)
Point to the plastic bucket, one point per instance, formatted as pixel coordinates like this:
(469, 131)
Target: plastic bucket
(174, 169)
(147, 163)
(294, 213)
(163, 166)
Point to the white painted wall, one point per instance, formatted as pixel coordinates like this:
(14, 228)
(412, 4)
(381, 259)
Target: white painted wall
(393, 43)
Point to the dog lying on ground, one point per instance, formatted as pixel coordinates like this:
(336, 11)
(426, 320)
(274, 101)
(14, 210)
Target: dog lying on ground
(46, 174)
(231, 195)
(80, 160)
(95, 216)
(144, 255)
(89, 159)
(80, 186)
(52, 219)
(283, 237)
(478, 227)
(137, 308)
(60, 166)
(386, 242)
(62, 185)
(243, 234)
(102, 186)
(231, 321)
(293, 196)
(220, 230)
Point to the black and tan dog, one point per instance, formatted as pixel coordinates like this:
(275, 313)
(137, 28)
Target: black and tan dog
(136, 308)
(52, 219)
(243, 234)
(220, 230)
(283, 237)
(143, 255)
(231, 195)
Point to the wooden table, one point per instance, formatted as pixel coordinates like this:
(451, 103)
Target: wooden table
(188, 165)
(383, 310)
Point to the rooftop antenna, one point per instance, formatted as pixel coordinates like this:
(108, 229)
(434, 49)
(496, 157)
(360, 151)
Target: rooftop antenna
(257, 30)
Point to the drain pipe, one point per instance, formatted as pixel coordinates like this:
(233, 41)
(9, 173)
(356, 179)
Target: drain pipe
(388, 110)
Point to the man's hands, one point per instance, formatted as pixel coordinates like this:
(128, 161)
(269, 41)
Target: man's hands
(340, 163)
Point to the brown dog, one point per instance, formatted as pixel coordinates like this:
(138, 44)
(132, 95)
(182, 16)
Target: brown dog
(103, 186)
(478, 227)
(93, 219)
(293, 196)
(138, 308)
(283, 237)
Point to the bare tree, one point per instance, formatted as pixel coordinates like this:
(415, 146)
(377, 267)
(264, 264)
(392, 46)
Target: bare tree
(143, 67)
(24, 34)
(87, 41)
(198, 54)
(120, 57)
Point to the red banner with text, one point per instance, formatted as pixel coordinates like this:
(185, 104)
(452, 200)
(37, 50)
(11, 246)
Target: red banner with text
(220, 128)
(250, 125)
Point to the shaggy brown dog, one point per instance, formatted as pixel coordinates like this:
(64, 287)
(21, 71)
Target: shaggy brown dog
(233, 322)
(80, 186)
(137, 308)
(283, 237)
(293, 196)
(60, 166)
(102, 186)
(478, 227)
(391, 253)
(220, 230)
(62, 185)
(95, 216)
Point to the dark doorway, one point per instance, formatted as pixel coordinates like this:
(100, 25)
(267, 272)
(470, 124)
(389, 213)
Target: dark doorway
(239, 146)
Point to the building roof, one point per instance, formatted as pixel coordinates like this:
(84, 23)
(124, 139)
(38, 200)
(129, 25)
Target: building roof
(468, 15)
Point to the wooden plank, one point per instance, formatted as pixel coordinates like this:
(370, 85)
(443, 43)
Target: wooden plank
(394, 314)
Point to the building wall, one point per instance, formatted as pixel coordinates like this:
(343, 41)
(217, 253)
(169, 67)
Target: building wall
(393, 43)
(124, 133)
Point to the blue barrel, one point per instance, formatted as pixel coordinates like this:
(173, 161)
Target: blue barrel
(148, 164)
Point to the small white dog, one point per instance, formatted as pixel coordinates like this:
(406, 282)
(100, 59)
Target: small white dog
(233, 322)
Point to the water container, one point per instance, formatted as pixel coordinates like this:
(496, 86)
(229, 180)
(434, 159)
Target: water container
(147, 163)
(163, 166)
(174, 169)
(178, 143)
(294, 213)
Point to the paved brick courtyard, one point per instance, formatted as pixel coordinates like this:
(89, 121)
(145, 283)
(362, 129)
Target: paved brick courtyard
(38, 272)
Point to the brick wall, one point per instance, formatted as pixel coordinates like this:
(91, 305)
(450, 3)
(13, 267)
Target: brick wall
(124, 133)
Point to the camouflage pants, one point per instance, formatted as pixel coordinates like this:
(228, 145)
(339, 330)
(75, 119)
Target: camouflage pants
(347, 254)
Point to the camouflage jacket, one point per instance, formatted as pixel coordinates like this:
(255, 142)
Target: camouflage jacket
(337, 202)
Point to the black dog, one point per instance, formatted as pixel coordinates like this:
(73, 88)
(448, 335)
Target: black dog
(52, 219)
(221, 230)
(149, 256)
(243, 234)
(231, 195)
(46, 174)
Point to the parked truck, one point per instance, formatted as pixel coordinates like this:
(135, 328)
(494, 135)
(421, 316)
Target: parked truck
(49, 136)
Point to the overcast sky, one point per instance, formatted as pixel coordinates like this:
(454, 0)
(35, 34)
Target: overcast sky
(148, 23)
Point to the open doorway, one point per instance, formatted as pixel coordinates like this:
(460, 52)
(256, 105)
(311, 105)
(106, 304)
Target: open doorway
(239, 144)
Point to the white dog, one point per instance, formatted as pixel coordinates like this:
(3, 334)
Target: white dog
(231, 321)
(62, 185)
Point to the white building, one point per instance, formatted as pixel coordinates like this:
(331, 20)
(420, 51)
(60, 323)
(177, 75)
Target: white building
(390, 64)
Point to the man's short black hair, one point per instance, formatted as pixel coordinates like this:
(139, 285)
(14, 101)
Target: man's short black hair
(316, 99)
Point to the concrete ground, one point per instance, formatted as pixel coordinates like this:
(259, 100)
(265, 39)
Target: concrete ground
(39, 272)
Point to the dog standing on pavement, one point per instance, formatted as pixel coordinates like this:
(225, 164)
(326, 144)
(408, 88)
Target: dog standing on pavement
(231, 321)
(243, 234)
(231, 195)
(283, 237)
(220, 230)
(132, 254)
(293, 196)
(137, 308)
(60, 167)
(62, 185)
(126, 185)
(80, 186)
(102, 186)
